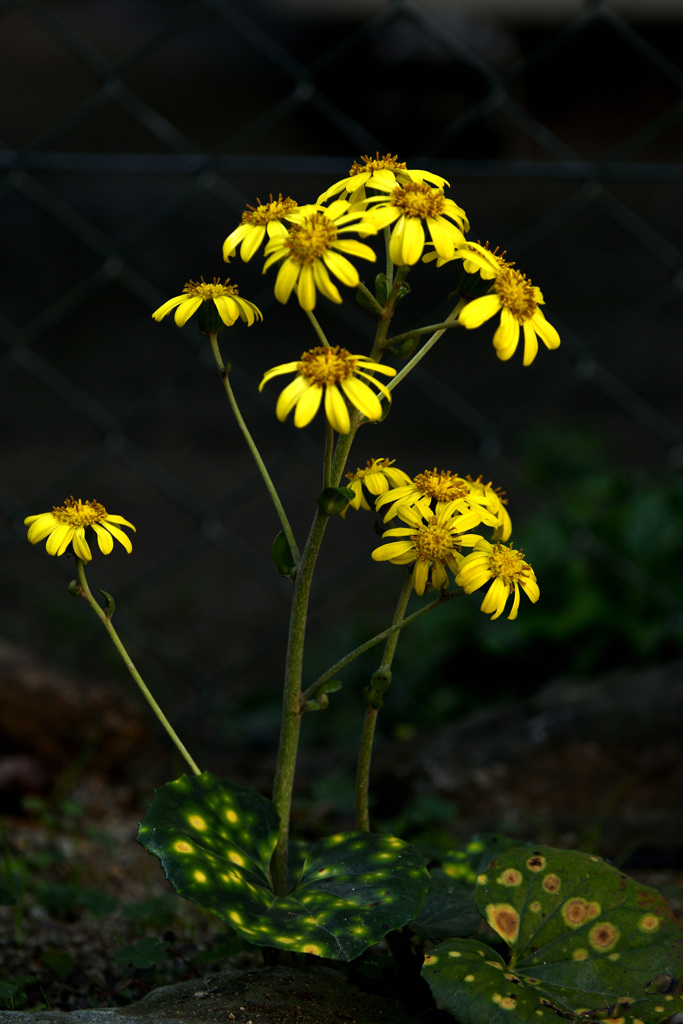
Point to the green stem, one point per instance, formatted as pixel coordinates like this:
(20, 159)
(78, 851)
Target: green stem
(327, 458)
(83, 590)
(444, 325)
(318, 329)
(370, 296)
(422, 352)
(270, 486)
(330, 673)
(373, 702)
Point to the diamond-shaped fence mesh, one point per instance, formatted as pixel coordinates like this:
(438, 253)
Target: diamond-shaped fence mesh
(133, 136)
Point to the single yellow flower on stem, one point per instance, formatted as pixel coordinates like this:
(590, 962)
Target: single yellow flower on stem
(378, 172)
(67, 523)
(409, 206)
(518, 302)
(230, 305)
(313, 248)
(507, 570)
(332, 372)
(377, 477)
(256, 222)
(432, 541)
(435, 489)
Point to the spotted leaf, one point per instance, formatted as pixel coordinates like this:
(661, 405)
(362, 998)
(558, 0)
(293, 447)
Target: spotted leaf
(587, 942)
(215, 842)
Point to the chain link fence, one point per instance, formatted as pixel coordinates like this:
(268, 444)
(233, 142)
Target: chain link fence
(134, 135)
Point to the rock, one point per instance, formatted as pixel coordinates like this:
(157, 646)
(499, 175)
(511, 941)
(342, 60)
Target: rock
(265, 995)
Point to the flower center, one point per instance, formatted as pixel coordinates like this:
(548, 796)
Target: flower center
(276, 209)
(79, 513)
(418, 200)
(441, 486)
(327, 365)
(435, 543)
(377, 163)
(516, 292)
(507, 564)
(498, 491)
(373, 466)
(202, 290)
(311, 239)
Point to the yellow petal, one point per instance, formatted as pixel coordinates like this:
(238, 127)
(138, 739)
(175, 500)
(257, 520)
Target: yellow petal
(186, 309)
(161, 312)
(285, 280)
(120, 536)
(308, 405)
(80, 545)
(336, 408)
(290, 396)
(363, 398)
(476, 312)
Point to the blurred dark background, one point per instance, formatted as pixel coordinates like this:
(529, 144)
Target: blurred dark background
(133, 134)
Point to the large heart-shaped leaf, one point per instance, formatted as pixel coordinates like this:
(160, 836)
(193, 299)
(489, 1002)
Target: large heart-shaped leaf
(586, 941)
(215, 842)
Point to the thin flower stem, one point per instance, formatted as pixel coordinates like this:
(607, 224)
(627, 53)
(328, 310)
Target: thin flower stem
(421, 354)
(390, 265)
(270, 486)
(423, 330)
(83, 590)
(318, 329)
(370, 296)
(373, 703)
(329, 448)
(330, 673)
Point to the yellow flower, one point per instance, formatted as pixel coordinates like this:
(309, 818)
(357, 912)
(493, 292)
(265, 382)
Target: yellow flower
(256, 221)
(409, 206)
(508, 572)
(432, 541)
(312, 247)
(437, 489)
(326, 370)
(495, 501)
(477, 258)
(67, 523)
(229, 304)
(377, 477)
(378, 172)
(518, 302)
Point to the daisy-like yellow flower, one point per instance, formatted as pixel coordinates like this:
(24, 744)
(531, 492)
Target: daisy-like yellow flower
(313, 248)
(256, 222)
(335, 373)
(495, 501)
(230, 305)
(432, 541)
(379, 172)
(377, 477)
(518, 302)
(437, 489)
(67, 523)
(408, 206)
(477, 259)
(507, 570)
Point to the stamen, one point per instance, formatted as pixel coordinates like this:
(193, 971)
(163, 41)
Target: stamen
(276, 209)
(79, 513)
(311, 239)
(327, 365)
(418, 200)
(516, 292)
(377, 163)
(203, 290)
(434, 543)
(441, 486)
(508, 565)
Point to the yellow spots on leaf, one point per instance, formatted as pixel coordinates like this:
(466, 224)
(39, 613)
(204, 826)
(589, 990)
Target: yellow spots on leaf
(649, 923)
(603, 936)
(431, 959)
(454, 953)
(482, 879)
(579, 954)
(199, 876)
(182, 847)
(614, 1020)
(504, 919)
(475, 846)
(511, 977)
(659, 1009)
(231, 816)
(236, 858)
(534, 907)
(496, 997)
(197, 822)
(235, 916)
(508, 1002)
(468, 977)
(578, 911)
(551, 883)
(614, 956)
(312, 948)
(536, 862)
(494, 963)
(511, 876)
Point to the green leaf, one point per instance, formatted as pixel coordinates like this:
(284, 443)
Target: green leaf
(215, 842)
(283, 557)
(586, 940)
(448, 910)
(467, 862)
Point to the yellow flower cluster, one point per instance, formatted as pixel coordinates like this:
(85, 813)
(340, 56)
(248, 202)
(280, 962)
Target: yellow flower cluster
(440, 510)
